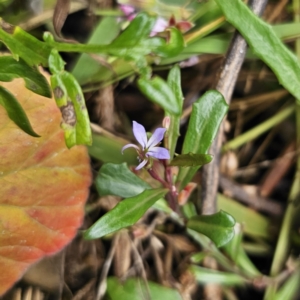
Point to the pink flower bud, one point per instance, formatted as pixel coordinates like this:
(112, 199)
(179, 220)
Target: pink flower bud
(166, 122)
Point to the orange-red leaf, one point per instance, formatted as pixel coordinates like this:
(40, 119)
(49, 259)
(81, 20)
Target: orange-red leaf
(43, 186)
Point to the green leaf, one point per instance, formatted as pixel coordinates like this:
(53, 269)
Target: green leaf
(287, 31)
(124, 214)
(174, 82)
(108, 149)
(290, 288)
(75, 123)
(129, 184)
(189, 210)
(135, 289)
(254, 224)
(207, 115)
(237, 253)
(209, 248)
(117, 179)
(34, 80)
(134, 41)
(139, 29)
(191, 159)
(70, 100)
(138, 51)
(218, 227)
(15, 111)
(158, 91)
(208, 276)
(174, 46)
(86, 66)
(172, 134)
(24, 45)
(264, 43)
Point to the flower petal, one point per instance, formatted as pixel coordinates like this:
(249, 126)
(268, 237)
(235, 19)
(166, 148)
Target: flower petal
(140, 133)
(156, 137)
(127, 9)
(159, 26)
(142, 164)
(159, 152)
(130, 146)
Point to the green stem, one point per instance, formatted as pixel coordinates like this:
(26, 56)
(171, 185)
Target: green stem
(73, 47)
(283, 243)
(260, 129)
(205, 30)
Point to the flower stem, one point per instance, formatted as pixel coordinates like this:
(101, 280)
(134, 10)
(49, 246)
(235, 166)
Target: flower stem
(156, 176)
(172, 196)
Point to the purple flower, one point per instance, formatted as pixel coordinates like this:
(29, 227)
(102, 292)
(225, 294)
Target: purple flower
(147, 147)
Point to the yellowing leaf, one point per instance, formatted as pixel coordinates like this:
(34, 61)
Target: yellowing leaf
(43, 186)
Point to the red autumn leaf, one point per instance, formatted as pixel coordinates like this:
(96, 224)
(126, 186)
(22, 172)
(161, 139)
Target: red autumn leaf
(43, 186)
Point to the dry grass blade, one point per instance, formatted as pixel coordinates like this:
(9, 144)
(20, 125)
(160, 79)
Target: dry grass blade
(257, 99)
(106, 266)
(84, 293)
(122, 258)
(61, 11)
(278, 170)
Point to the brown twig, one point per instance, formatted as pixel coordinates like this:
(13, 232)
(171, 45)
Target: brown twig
(227, 79)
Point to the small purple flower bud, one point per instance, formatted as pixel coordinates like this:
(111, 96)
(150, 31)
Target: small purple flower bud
(166, 122)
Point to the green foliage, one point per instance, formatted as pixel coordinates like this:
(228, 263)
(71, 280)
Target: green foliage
(290, 288)
(174, 82)
(191, 159)
(24, 45)
(218, 227)
(207, 115)
(264, 43)
(158, 91)
(125, 184)
(124, 214)
(34, 80)
(133, 44)
(70, 100)
(108, 149)
(134, 51)
(134, 289)
(254, 223)
(204, 275)
(86, 67)
(114, 179)
(15, 111)
(238, 255)
(174, 46)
